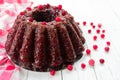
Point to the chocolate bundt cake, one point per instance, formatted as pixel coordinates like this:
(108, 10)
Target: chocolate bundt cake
(44, 38)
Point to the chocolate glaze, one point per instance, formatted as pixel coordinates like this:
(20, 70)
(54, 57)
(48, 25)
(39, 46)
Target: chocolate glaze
(38, 47)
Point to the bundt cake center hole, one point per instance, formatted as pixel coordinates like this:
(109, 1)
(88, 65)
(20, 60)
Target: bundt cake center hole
(41, 16)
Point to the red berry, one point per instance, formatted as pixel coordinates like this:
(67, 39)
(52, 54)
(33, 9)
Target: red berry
(70, 67)
(43, 23)
(89, 31)
(91, 23)
(108, 43)
(93, 26)
(94, 38)
(28, 8)
(103, 31)
(22, 13)
(31, 19)
(88, 51)
(58, 19)
(98, 31)
(47, 5)
(102, 61)
(52, 72)
(84, 23)
(107, 49)
(95, 47)
(64, 13)
(40, 7)
(99, 25)
(102, 36)
(59, 7)
(83, 65)
(91, 62)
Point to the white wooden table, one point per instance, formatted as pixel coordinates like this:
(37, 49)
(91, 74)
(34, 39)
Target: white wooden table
(106, 12)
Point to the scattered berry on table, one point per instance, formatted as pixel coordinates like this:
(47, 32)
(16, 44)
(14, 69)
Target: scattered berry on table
(83, 65)
(101, 61)
(70, 67)
(91, 62)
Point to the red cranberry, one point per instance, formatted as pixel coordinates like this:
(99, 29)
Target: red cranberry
(95, 47)
(52, 72)
(70, 67)
(88, 51)
(91, 62)
(47, 5)
(107, 49)
(83, 65)
(43, 23)
(94, 38)
(102, 36)
(102, 61)
(58, 19)
(103, 31)
(98, 31)
(91, 23)
(84, 23)
(22, 13)
(40, 7)
(89, 31)
(28, 8)
(31, 19)
(99, 25)
(108, 43)
(64, 13)
(59, 7)
(93, 26)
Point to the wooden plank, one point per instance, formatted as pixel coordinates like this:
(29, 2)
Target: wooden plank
(43, 76)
